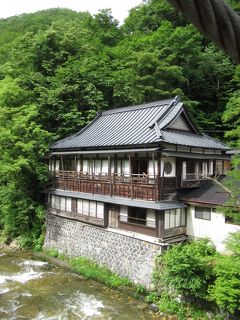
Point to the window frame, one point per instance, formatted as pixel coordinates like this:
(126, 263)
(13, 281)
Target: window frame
(173, 215)
(98, 212)
(200, 210)
(136, 219)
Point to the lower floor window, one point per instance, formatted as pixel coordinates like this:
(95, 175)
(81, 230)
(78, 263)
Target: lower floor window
(203, 213)
(137, 215)
(90, 208)
(61, 203)
(175, 218)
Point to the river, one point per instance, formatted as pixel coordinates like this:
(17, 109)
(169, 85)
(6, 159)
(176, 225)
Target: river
(31, 289)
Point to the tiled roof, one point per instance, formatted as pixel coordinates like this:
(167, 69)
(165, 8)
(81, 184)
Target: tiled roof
(136, 125)
(191, 139)
(208, 193)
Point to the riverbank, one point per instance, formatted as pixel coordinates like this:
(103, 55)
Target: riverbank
(91, 270)
(31, 288)
(13, 246)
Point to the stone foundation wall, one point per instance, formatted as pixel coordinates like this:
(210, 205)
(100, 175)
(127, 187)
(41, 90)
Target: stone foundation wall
(127, 256)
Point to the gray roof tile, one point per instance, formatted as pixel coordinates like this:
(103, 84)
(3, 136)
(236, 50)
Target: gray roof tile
(133, 126)
(208, 193)
(191, 139)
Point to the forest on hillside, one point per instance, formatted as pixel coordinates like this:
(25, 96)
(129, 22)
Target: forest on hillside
(58, 68)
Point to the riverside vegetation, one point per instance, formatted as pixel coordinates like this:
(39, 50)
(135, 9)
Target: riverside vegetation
(58, 68)
(192, 280)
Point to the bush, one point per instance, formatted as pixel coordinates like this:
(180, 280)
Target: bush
(226, 289)
(188, 269)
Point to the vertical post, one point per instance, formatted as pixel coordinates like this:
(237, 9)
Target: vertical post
(162, 178)
(109, 175)
(92, 174)
(161, 218)
(52, 167)
(154, 175)
(75, 159)
(75, 175)
(63, 177)
(115, 172)
(62, 163)
(130, 171)
(80, 173)
(159, 178)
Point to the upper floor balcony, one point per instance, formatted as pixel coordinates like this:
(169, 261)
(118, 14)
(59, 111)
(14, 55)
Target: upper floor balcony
(154, 178)
(134, 186)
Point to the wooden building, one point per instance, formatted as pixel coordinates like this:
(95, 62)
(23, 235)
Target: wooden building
(125, 169)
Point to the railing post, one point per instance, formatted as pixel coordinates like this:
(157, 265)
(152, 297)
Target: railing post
(131, 178)
(159, 178)
(92, 174)
(154, 178)
(162, 178)
(110, 175)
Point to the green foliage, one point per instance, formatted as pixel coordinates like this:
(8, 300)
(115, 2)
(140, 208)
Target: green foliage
(141, 289)
(52, 252)
(56, 254)
(102, 274)
(193, 275)
(170, 306)
(226, 289)
(152, 297)
(188, 268)
(233, 243)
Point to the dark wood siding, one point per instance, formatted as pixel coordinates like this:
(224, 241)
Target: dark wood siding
(78, 217)
(138, 228)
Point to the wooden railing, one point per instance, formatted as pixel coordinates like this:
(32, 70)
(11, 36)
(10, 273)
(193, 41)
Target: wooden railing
(190, 180)
(136, 186)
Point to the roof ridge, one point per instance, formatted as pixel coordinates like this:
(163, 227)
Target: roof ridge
(138, 106)
(172, 103)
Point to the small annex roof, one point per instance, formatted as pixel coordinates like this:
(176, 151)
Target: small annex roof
(137, 126)
(209, 193)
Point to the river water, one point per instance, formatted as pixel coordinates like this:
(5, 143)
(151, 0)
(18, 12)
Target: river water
(31, 289)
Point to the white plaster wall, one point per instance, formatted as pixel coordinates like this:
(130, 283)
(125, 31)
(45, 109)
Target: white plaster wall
(57, 165)
(151, 168)
(150, 219)
(123, 213)
(105, 166)
(215, 229)
(173, 163)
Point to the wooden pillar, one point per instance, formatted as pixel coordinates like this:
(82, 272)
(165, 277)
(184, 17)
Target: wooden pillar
(63, 176)
(154, 177)
(161, 217)
(74, 205)
(110, 176)
(162, 179)
(159, 178)
(130, 171)
(105, 215)
(75, 158)
(62, 163)
(92, 174)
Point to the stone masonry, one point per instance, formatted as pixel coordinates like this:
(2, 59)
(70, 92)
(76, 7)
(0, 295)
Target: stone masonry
(127, 256)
